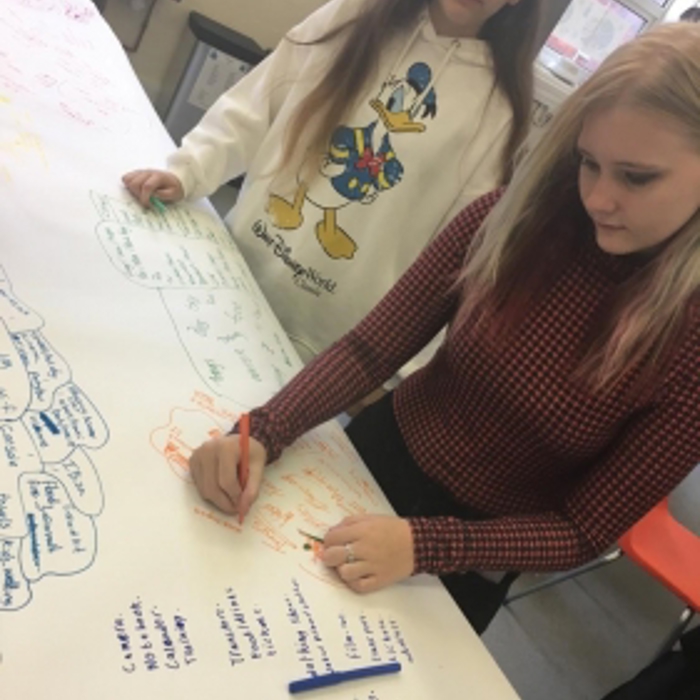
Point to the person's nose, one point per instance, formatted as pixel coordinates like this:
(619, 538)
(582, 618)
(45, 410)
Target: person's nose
(600, 196)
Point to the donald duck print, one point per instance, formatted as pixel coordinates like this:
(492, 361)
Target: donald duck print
(361, 162)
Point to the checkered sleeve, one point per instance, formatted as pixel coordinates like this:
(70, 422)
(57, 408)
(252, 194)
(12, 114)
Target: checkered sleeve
(407, 318)
(650, 457)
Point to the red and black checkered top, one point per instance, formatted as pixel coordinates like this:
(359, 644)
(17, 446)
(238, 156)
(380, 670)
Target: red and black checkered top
(563, 471)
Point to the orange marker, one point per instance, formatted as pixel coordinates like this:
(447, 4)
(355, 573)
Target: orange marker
(244, 463)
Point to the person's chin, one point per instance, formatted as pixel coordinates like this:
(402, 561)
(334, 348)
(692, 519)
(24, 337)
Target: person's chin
(613, 240)
(465, 12)
(468, 5)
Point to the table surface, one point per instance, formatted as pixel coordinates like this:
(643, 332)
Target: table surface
(126, 338)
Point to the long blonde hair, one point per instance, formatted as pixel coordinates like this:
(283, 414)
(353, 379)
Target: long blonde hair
(515, 253)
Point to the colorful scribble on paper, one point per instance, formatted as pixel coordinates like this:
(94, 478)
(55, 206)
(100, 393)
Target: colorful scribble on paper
(50, 489)
(74, 82)
(218, 314)
(320, 482)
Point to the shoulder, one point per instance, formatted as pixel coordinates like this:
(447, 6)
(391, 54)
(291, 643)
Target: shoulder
(457, 237)
(473, 215)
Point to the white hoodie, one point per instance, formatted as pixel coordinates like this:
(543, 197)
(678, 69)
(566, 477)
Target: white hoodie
(424, 140)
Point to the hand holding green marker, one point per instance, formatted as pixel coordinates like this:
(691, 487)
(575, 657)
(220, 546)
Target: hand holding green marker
(157, 204)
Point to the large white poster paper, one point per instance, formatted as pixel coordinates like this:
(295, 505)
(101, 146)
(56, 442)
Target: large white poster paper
(126, 338)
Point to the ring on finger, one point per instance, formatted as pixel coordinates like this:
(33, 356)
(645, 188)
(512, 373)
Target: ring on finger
(349, 553)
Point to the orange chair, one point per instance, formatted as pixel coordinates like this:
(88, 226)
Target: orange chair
(663, 548)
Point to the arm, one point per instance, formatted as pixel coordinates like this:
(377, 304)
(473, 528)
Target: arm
(653, 455)
(414, 310)
(224, 143)
(408, 317)
(484, 177)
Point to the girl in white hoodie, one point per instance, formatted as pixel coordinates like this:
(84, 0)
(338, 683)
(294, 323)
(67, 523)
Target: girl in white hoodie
(362, 135)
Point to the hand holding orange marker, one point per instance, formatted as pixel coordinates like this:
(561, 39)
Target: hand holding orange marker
(244, 462)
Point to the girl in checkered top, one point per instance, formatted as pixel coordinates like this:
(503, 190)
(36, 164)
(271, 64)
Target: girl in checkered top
(565, 400)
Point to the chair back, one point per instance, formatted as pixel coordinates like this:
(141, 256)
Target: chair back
(667, 550)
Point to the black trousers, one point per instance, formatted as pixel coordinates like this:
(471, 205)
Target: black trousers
(375, 434)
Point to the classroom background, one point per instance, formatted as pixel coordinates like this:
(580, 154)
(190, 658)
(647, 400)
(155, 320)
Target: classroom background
(577, 640)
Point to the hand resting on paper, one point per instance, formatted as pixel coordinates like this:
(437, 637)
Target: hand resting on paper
(214, 469)
(370, 552)
(144, 183)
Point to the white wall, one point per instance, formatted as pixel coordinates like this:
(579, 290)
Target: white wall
(677, 8)
(265, 21)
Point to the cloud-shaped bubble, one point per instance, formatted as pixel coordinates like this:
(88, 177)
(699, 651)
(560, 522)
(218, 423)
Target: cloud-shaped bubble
(61, 540)
(13, 312)
(81, 481)
(15, 392)
(15, 591)
(45, 368)
(72, 421)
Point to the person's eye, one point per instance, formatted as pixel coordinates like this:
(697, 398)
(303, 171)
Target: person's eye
(636, 179)
(587, 163)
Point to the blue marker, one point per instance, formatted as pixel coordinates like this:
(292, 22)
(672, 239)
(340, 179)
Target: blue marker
(49, 423)
(342, 676)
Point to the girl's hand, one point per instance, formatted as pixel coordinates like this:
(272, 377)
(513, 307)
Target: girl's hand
(370, 551)
(144, 183)
(214, 469)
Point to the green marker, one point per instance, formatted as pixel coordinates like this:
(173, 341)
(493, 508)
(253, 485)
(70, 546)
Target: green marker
(311, 537)
(159, 206)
